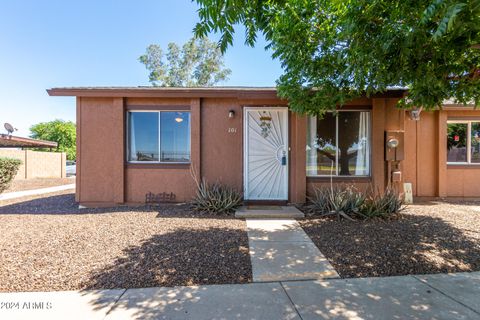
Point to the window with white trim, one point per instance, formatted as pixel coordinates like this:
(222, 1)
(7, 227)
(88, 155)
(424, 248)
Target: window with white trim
(158, 136)
(339, 144)
(463, 142)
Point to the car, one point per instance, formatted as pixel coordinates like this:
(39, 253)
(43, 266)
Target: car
(71, 168)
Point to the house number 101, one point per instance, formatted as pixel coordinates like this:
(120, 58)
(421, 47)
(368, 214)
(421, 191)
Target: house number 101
(232, 130)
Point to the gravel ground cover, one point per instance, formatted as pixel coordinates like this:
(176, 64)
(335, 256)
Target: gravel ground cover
(49, 244)
(433, 237)
(37, 183)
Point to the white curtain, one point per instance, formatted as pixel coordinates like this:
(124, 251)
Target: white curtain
(312, 147)
(132, 146)
(362, 167)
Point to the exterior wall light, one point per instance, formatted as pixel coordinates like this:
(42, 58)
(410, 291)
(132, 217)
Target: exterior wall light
(231, 114)
(415, 113)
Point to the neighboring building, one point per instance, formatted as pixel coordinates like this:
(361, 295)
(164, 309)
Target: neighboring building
(132, 141)
(35, 164)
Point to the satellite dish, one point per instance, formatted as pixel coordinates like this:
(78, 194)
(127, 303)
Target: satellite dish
(9, 128)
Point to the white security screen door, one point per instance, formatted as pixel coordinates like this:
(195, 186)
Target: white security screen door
(266, 153)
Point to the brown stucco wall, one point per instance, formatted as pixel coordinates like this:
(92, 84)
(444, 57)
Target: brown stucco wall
(216, 148)
(458, 180)
(426, 162)
(100, 122)
(222, 142)
(105, 178)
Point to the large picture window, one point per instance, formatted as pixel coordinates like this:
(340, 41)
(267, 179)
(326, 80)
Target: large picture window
(158, 136)
(339, 144)
(463, 142)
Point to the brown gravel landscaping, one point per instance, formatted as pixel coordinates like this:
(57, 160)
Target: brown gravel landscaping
(38, 183)
(49, 244)
(433, 237)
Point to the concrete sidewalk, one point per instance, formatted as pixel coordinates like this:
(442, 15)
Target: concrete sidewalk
(452, 296)
(33, 192)
(281, 251)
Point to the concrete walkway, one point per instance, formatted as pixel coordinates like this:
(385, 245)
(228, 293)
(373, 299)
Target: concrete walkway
(452, 296)
(19, 194)
(280, 250)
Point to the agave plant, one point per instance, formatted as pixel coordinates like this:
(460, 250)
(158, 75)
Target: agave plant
(382, 204)
(215, 198)
(342, 201)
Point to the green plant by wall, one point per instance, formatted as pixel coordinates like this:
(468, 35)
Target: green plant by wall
(8, 170)
(347, 202)
(214, 198)
(382, 204)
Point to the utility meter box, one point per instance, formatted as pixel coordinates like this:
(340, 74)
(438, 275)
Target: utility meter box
(394, 145)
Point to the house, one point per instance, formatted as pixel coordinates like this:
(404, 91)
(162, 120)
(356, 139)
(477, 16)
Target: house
(133, 141)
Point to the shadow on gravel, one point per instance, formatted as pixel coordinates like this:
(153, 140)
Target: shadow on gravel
(65, 204)
(178, 258)
(413, 244)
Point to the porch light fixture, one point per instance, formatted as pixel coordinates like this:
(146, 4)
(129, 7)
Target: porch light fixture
(231, 114)
(415, 113)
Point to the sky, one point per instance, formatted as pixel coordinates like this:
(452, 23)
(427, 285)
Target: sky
(58, 43)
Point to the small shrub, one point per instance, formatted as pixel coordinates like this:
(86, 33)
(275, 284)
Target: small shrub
(8, 170)
(382, 205)
(350, 203)
(216, 198)
(319, 203)
(342, 201)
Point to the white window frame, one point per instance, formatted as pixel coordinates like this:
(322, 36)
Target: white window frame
(469, 142)
(336, 146)
(159, 137)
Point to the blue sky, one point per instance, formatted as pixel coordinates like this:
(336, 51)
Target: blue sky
(55, 43)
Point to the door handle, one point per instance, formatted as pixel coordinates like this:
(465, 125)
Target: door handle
(284, 159)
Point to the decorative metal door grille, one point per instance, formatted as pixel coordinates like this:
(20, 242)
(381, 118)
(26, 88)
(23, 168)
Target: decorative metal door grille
(266, 154)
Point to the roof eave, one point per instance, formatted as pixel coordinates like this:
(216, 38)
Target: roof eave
(165, 93)
(8, 141)
(168, 92)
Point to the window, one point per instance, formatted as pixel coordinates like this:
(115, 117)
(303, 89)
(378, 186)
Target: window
(463, 142)
(155, 136)
(339, 144)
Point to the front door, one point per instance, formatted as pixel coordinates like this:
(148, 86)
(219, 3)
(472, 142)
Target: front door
(266, 153)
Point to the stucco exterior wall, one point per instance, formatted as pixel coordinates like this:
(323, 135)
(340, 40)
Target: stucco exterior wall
(222, 142)
(100, 157)
(426, 157)
(105, 178)
(460, 180)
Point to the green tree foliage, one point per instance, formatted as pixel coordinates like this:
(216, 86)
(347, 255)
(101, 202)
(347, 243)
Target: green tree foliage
(60, 131)
(199, 63)
(343, 49)
(8, 170)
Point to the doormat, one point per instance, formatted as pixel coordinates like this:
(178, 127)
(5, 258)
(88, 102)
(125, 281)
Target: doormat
(259, 207)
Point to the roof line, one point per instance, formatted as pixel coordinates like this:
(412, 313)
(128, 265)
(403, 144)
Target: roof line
(9, 141)
(185, 92)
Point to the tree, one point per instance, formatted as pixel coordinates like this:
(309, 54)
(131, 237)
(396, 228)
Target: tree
(60, 131)
(198, 64)
(333, 51)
